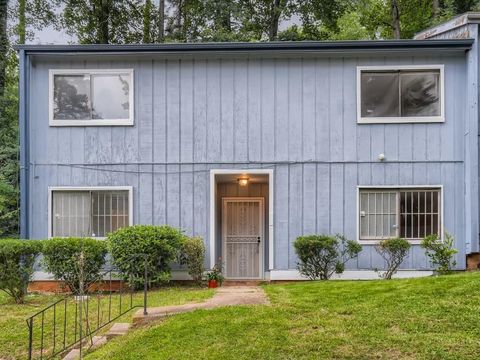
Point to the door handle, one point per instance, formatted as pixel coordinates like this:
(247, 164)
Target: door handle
(258, 239)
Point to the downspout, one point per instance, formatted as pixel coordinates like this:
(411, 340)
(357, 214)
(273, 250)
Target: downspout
(24, 153)
(472, 216)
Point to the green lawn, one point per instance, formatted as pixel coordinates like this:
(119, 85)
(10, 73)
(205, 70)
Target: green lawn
(429, 318)
(14, 331)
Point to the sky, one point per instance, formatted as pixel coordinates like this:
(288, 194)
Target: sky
(51, 36)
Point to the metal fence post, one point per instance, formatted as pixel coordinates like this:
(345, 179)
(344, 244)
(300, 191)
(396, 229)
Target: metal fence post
(145, 287)
(30, 338)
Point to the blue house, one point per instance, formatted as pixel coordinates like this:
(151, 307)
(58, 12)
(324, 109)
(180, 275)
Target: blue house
(250, 145)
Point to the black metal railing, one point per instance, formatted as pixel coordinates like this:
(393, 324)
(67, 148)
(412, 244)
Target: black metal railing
(73, 320)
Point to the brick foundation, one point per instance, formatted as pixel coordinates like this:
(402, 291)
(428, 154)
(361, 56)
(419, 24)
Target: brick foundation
(54, 286)
(473, 261)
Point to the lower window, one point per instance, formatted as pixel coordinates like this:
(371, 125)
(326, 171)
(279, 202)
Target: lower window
(89, 213)
(408, 213)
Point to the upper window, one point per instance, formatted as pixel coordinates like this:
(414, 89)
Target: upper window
(400, 94)
(91, 97)
(89, 212)
(408, 213)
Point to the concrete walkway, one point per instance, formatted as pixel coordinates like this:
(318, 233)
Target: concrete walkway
(224, 296)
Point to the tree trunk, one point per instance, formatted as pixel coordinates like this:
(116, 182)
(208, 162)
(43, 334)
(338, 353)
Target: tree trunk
(147, 20)
(395, 20)
(21, 21)
(3, 44)
(103, 18)
(179, 15)
(436, 8)
(181, 20)
(274, 20)
(223, 16)
(161, 21)
(227, 21)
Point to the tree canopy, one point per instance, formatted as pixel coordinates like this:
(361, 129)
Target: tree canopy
(148, 21)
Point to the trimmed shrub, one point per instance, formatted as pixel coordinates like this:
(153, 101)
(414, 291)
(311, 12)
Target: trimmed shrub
(393, 251)
(17, 258)
(192, 254)
(75, 261)
(130, 247)
(323, 255)
(441, 253)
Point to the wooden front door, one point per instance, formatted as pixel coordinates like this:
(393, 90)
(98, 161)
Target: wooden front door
(242, 237)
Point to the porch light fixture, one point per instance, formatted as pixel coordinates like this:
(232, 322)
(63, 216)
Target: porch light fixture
(243, 181)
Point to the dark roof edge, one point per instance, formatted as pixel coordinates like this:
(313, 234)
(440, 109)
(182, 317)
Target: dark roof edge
(460, 44)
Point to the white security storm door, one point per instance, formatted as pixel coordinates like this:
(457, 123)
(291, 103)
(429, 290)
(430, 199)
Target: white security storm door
(243, 239)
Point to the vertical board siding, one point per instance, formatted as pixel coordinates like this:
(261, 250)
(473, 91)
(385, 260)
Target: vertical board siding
(186, 111)
(308, 105)
(145, 194)
(295, 110)
(281, 217)
(322, 109)
(295, 209)
(336, 101)
(295, 116)
(159, 195)
(349, 111)
(281, 129)
(240, 110)
(173, 103)
(309, 196)
(200, 111)
(268, 113)
(227, 110)
(254, 112)
(186, 198)
(159, 112)
(214, 127)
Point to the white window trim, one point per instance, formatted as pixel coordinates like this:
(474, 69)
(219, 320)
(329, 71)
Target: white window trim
(404, 119)
(94, 122)
(51, 189)
(398, 187)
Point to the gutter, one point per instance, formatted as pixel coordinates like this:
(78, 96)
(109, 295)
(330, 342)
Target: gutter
(237, 47)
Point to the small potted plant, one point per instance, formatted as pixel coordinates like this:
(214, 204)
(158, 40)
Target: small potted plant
(215, 277)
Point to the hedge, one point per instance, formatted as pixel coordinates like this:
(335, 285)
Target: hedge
(17, 258)
(75, 260)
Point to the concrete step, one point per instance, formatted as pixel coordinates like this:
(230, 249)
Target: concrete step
(163, 312)
(118, 329)
(243, 282)
(72, 355)
(98, 341)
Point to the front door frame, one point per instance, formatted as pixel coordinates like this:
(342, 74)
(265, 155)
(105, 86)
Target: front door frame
(213, 208)
(261, 202)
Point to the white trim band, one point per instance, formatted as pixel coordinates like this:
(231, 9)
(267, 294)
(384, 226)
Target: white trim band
(274, 275)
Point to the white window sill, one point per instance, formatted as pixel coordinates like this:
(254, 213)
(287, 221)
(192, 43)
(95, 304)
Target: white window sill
(401, 120)
(85, 237)
(376, 242)
(113, 122)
